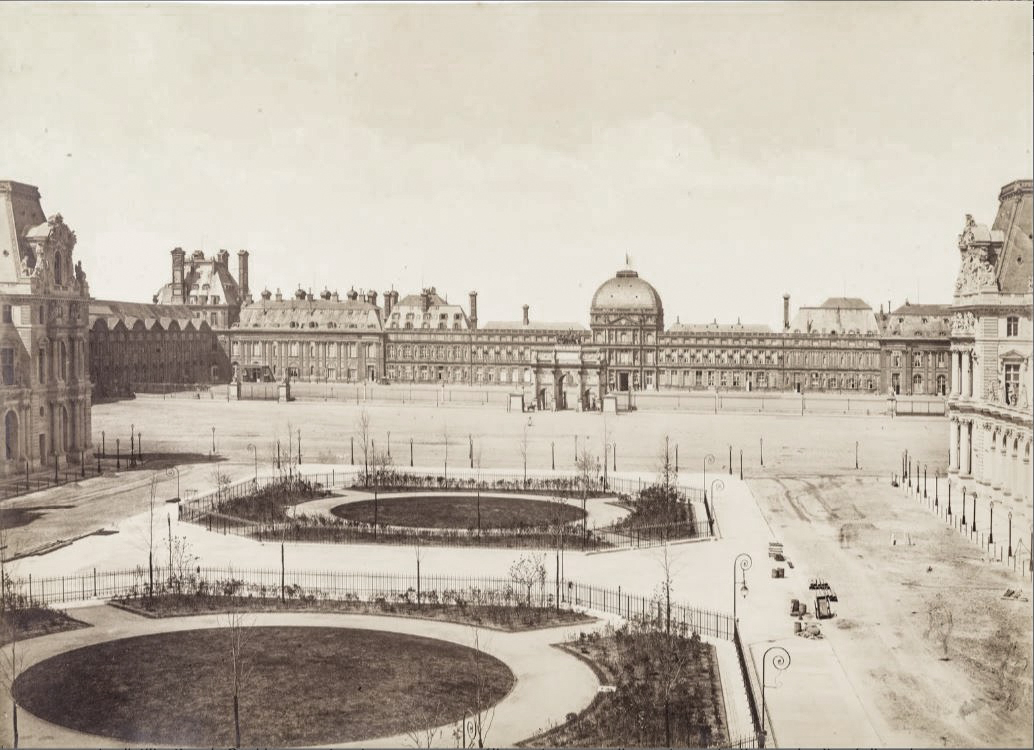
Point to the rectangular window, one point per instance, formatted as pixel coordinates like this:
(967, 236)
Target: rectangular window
(1012, 383)
(7, 365)
(1012, 326)
(8, 315)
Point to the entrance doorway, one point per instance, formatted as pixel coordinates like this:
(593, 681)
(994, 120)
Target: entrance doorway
(622, 381)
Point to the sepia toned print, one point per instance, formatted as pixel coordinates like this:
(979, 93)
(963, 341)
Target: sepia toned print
(516, 375)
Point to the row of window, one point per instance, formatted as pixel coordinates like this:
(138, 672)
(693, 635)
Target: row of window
(941, 358)
(295, 349)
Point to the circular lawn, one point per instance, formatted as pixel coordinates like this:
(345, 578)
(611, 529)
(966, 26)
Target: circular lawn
(305, 686)
(459, 511)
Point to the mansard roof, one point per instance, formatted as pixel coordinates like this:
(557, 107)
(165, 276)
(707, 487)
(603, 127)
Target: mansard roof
(134, 314)
(311, 314)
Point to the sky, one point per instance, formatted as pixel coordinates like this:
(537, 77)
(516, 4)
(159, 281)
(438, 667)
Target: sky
(735, 151)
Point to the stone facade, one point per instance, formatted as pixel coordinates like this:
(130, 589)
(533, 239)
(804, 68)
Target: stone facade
(991, 333)
(915, 343)
(44, 342)
(151, 348)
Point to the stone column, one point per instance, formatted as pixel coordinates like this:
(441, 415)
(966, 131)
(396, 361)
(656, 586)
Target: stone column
(1010, 486)
(953, 446)
(965, 457)
(999, 461)
(965, 366)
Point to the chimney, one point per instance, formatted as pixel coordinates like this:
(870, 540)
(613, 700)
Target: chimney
(388, 303)
(352, 295)
(786, 312)
(371, 297)
(177, 275)
(325, 294)
(242, 275)
(266, 294)
(279, 295)
(473, 311)
(223, 259)
(524, 318)
(335, 297)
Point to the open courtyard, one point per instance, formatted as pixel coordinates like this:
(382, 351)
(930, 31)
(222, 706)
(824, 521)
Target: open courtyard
(899, 569)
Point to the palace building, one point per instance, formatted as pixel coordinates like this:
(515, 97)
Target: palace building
(44, 342)
(840, 345)
(991, 334)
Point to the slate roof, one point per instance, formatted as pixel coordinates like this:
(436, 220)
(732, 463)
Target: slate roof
(1014, 268)
(311, 314)
(112, 312)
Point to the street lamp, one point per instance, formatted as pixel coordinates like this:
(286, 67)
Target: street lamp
(963, 507)
(169, 472)
(991, 523)
(742, 563)
(1010, 533)
(714, 506)
(213, 440)
(708, 459)
(973, 528)
(254, 450)
(780, 661)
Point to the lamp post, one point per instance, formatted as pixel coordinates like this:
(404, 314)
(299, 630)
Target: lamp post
(991, 523)
(741, 464)
(713, 507)
(1010, 533)
(949, 497)
(973, 528)
(742, 563)
(132, 449)
(780, 661)
(254, 451)
(213, 440)
(174, 470)
(708, 459)
(730, 460)
(963, 507)
(924, 479)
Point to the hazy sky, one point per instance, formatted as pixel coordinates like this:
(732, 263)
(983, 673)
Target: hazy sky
(736, 151)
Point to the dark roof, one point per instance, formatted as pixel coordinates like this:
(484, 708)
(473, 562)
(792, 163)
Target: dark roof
(1015, 268)
(845, 303)
(921, 310)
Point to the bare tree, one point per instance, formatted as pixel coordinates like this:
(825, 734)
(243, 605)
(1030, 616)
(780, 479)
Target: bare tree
(482, 714)
(362, 428)
(12, 661)
(666, 585)
(445, 439)
(528, 571)
(150, 538)
(588, 467)
(668, 472)
(240, 632)
(429, 717)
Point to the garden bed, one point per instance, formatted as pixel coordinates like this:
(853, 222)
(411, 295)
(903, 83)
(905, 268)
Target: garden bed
(507, 618)
(30, 622)
(440, 511)
(304, 686)
(667, 692)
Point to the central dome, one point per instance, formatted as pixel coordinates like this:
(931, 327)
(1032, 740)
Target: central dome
(626, 291)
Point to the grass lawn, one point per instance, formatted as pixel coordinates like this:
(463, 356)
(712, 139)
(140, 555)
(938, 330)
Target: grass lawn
(510, 619)
(648, 671)
(460, 512)
(306, 686)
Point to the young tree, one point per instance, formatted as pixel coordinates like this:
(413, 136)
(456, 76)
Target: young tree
(12, 661)
(482, 715)
(668, 473)
(240, 633)
(362, 428)
(150, 538)
(588, 466)
(528, 571)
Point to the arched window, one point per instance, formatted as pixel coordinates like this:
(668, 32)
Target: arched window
(58, 271)
(942, 386)
(10, 436)
(917, 383)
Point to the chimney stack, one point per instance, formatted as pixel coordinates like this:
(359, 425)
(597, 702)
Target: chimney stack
(371, 297)
(223, 259)
(242, 275)
(279, 295)
(524, 318)
(177, 275)
(388, 303)
(786, 312)
(473, 311)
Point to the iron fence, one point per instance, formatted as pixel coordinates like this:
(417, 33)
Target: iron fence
(747, 674)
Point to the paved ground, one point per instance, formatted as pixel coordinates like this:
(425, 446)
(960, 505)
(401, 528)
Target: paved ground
(875, 678)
